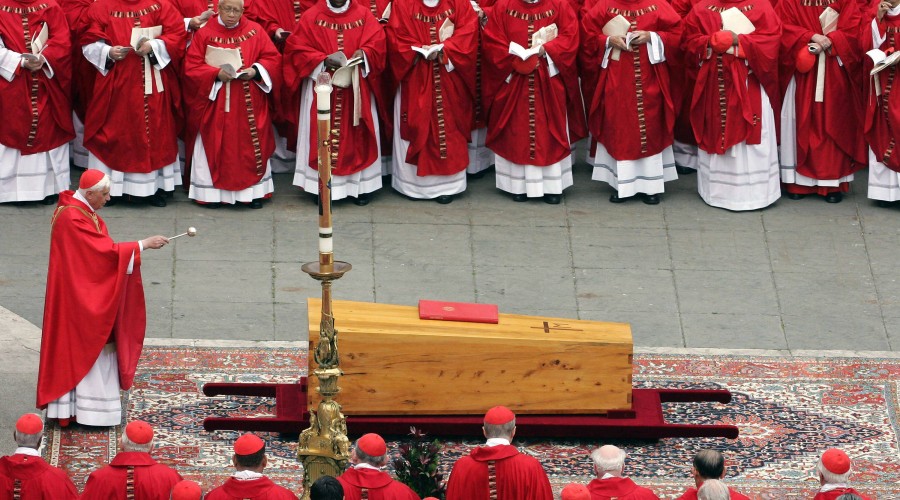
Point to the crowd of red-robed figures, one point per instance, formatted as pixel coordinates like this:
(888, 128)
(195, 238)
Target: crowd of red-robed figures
(134, 109)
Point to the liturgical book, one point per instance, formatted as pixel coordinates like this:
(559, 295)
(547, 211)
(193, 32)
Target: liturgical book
(458, 311)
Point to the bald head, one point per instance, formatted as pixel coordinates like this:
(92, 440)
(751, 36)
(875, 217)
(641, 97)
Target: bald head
(608, 459)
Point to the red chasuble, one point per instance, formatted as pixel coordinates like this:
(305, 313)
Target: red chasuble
(882, 120)
(90, 300)
(82, 72)
(517, 476)
(829, 145)
(620, 488)
(319, 34)
(527, 115)
(125, 128)
(262, 489)
(378, 485)
(834, 494)
(691, 494)
(726, 106)
(34, 478)
(238, 142)
(134, 471)
(36, 110)
(632, 112)
(436, 105)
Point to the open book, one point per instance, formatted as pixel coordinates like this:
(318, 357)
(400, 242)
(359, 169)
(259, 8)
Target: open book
(226, 59)
(882, 61)
(521, 52)
(342, 76)
(546, 34)
(445, 32)
(617, 26)
(428, 50)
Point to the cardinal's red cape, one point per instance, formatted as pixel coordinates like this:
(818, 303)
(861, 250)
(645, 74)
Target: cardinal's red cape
(36, 109)
(124, 128)
(882, 119)
(90, 300)
(262, 489)
(740, 111)
(517, 476)
(436, 104)
(691, 494)
(315, 38)
(829, 145)
(36, 478)
(527, 115)
(151, 479)
(620, 488)
(379, 486)
(238, 142)
(632, 112)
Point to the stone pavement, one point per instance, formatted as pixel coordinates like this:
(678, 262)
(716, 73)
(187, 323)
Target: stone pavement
(800, 275)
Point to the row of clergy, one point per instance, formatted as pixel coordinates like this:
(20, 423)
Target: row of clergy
(446, 87)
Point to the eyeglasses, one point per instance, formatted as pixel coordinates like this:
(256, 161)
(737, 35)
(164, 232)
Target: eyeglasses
(231, 10)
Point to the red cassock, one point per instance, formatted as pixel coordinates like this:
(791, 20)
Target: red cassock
(632, 112)
(152, 480)
(691, 494)
(36, 110)
(517, 476)
(319, 34)
(262, 489)
(377, 484)
(726, 107)
(82, 82)
(436, 105)
(527, 115)
(834, 494)
(620, 488)
(829, 145)
(238, 142)
(35, 479)
(192, 8)
(682, 81)
(882, 120)
(125, 128)
(90, 300)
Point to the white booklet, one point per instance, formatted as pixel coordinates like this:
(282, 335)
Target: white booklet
(141, 35)
(226, 59)
(343, 75)
(39, 40)
(428, 50)
(617, 26)
(882, 61)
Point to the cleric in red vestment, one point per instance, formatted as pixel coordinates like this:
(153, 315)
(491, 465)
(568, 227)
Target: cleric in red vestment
(341, 29)
(434, 100)
(821, 146)
(834, 473)
(365, 480)
(35, 101)
(533, 103)
(132, 473)
(248, 482)
(230, 136)
(517, 476)
(26, 473)
(609, 464)
(708, 465)
(94, 315)
(133, 118)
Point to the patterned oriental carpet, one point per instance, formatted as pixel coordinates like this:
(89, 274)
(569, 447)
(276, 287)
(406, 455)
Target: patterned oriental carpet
(788, 411)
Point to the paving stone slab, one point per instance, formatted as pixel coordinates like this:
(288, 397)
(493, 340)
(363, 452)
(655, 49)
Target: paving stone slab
(620, 248)
(739, 331)
(223, 320)
(725, 292)
(718, 250)
(221, 281)
(852, 330)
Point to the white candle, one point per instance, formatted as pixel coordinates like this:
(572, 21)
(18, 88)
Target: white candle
(323, 94)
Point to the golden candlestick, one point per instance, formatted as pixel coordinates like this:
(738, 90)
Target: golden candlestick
(324, 448)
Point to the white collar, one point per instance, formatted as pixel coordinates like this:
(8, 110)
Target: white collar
(497, 442)
(363, 465)
(338, 10)
(833, 486)
(431, 3)
(82, 199)
(608, 476)
(894, 11)
(22, 450)
(247, 475)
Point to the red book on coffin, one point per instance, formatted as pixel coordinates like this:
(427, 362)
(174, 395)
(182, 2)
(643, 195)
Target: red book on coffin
(458, 311)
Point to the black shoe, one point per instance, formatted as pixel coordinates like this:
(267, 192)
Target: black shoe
(552, 199)
(256, 204)
(362, 200)
(834, 197)
(444, 199)
(50, 200)
(614, 198)
(520, 197)
(157, 200)
(685, 170)
(651, 199)
(796, 196)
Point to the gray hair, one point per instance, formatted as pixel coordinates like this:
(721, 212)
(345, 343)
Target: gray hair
(104, 183)
(713, 489)
(608, 459)
(831, 477)
(28, 440)
(849, 496)
(128, 445)
(500, 430)
(366, 458)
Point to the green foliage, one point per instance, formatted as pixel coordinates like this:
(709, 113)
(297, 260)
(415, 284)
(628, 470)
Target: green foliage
(417, 465)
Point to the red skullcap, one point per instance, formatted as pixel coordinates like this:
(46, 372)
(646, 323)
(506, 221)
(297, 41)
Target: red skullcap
(575, 492)
(29, 423)
(372, 445)
(499, 415)
(139, 432)
(248, 444)
(186, 490)
(90, 178)
(836, 461)
(805, 60)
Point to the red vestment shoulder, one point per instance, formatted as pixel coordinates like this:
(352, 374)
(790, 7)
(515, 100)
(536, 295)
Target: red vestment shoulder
(379, 485)
(881, 123)
(621, 488)
(834, 494)
(151, 479)
(262, 488)
(90, 300)
(518, 476)
(36, 479)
